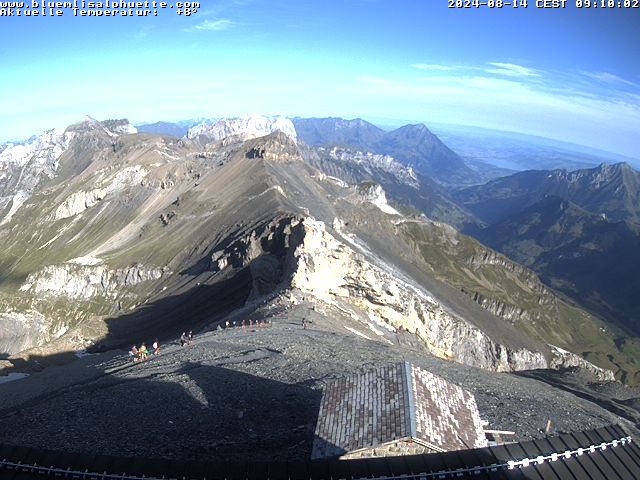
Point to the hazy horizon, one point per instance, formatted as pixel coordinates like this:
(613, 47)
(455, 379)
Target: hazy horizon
(564, 74)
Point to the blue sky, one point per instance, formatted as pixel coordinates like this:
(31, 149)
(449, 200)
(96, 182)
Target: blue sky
(566, 74)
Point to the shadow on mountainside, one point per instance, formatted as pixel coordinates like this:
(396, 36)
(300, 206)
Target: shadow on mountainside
(196, 410)
(166, 318)
(608, 396)
(194, 302)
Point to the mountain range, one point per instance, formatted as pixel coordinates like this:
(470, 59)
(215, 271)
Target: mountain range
(413, 145)
(112, 237)
(578, 230)
(586, 251)
(571, 245)
(125, 220)
(611, 190)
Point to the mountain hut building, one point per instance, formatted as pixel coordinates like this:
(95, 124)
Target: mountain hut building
(395, 410)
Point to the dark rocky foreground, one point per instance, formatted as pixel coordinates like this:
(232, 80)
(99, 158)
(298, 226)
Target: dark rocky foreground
(254, 393)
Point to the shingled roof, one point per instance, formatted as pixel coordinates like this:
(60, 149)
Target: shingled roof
(393, 403)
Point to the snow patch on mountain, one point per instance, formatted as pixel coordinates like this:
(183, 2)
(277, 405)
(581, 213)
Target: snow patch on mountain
(246, 128)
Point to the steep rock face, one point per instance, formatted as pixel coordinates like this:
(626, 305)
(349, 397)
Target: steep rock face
(80, 201)
(529, 279)
(249, 127)
(299, 253)
(60, 297)
(502, 309)
(24, 166)
(376, 195)
(119, 127)
(86, 281)
(491, 257)
(22, 330)
(506, 289)
(372, 163)
(276, 147)
(564, 359)
(266, 251)
(330, 270)
(42, 150)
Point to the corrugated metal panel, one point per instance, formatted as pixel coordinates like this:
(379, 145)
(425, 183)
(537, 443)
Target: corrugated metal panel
(601, 454)
(559, 468)
(627, 464)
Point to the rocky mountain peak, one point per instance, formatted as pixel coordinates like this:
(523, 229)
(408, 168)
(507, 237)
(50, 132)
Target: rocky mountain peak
(415, 127)
(49, 144)
(368, 160)
(412, 145)
(356, 123)
(119, 127)
(619, 172)
(416, 134)
(245, 128)
(111, 128)
(275, 147)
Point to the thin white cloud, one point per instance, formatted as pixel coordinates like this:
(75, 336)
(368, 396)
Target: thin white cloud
(212, 26)
(433, 67)
(524, 104)
(511, 70)
(610, 78)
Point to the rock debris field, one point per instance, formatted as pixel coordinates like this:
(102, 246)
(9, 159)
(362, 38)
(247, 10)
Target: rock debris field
(254, 393)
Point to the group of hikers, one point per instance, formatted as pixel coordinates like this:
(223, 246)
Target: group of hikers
(141, 353)
(186, 339)
(245, 323)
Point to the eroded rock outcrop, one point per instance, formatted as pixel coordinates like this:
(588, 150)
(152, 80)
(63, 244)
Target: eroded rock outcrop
(22, 330)
(375, 194)
(253, 126)
(370, 161)
(80, 201)
(86, 281)
(301, 254)
(276, 147)
(528, 279)
(564, 359)
(332, 271)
